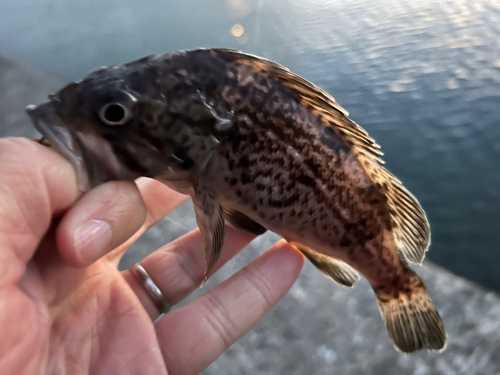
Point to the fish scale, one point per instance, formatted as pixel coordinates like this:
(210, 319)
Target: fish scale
(265, 149)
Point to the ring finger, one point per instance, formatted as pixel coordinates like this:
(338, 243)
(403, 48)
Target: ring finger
(179, 267)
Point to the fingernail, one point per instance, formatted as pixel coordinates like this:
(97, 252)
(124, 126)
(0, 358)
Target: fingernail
(142, 182)
(91, 239)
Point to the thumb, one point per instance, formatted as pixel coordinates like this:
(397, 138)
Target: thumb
(37, 184)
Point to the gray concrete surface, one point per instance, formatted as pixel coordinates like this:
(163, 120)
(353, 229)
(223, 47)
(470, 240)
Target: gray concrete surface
(318, 327)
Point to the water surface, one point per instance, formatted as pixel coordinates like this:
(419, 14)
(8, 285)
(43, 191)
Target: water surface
(422, 77)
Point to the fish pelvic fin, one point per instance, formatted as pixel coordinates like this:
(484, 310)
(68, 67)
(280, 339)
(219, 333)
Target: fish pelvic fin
(410, 226)
(210, 219)
(333, 268)
(412, 320)
(243, 222)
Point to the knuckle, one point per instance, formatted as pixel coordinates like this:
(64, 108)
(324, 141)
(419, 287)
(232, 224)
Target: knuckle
(219, 320)
(261, 284)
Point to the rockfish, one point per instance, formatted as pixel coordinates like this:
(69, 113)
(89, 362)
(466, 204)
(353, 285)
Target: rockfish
(263, 148)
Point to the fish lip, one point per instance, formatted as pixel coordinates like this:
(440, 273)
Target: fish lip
(61, 139)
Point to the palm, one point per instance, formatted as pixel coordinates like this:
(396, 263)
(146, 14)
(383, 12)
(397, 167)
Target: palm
(96, 323)
(64, 311)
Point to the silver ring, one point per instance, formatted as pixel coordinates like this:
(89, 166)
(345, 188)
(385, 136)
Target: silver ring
(150, 286)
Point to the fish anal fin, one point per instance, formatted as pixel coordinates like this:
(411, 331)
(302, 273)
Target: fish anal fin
(412, 321)
(409, 223)
(210, 219)
(243, 222)
(333, 268)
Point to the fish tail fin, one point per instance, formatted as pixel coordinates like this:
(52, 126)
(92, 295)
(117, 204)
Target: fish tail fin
(412, 320)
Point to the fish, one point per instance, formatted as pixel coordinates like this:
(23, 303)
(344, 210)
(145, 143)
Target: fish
(264, 149)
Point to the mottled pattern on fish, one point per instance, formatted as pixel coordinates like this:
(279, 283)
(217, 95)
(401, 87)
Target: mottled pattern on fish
(278, 153)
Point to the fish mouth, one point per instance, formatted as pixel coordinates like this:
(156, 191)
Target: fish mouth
(61, 139)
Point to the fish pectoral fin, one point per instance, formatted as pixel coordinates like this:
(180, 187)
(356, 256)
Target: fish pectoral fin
(333, 268)
(210, 219)
(243, 222)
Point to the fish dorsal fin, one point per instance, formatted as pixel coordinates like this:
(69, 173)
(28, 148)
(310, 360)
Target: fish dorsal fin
(333, 268)
(410, 225)
(317, 100)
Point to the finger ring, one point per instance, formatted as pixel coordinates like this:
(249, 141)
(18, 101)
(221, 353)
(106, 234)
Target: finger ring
(150, 286)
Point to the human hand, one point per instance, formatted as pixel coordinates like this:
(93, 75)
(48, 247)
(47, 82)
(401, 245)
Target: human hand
(66, 309)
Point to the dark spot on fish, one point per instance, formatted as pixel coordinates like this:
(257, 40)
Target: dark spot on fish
(244, 162)
(262, 215)
(253, 138)
(306, 180)
(254, 207)
(312, 166)
(253, 102)
(149, 117)
(212, 85)
(226, 81)
(244, 90)
(331, 141)
(345, 242)
(238, 193)
(292, 213)
(245, 178)
(233, 182)
(278, 131)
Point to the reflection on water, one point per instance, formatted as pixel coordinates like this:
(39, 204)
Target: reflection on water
(423, 77)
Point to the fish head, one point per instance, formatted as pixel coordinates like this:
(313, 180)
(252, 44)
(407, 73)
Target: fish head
(123, 123)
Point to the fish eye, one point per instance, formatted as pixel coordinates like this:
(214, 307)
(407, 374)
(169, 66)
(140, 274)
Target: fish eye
(115, 114)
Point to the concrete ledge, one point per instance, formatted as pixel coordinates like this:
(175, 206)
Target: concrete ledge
(319, 327)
